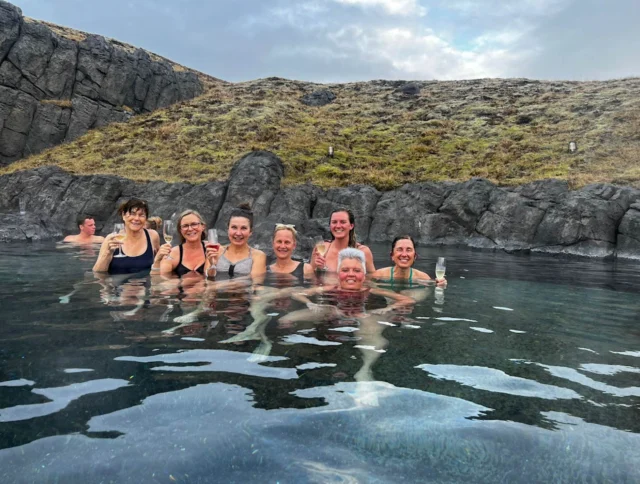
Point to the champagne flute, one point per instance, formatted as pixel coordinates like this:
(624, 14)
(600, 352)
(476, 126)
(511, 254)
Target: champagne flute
(440, 268)
(119, 236)
(212, 239)
(320, 245)
(168, 228)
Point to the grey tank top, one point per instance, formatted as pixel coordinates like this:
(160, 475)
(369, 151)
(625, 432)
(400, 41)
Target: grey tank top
(242, 267)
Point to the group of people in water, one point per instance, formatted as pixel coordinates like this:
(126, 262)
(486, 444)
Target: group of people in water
(341, 275)
(342, 254)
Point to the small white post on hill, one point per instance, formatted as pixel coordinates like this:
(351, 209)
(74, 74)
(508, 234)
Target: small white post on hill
(573, 147)
(330, 151)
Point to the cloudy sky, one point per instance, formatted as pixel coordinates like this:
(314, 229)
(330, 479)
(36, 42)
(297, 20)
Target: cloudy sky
(349, 40)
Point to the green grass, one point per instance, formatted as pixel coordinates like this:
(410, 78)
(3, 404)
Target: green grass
(379, 137)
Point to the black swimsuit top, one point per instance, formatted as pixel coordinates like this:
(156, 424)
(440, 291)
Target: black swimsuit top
(133, 264)
(181, 270)
(297, 272)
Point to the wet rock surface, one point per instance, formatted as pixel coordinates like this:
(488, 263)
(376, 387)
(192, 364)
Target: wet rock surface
(545, 216)
(57, 83)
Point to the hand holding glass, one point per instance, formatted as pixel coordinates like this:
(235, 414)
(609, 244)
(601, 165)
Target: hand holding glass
(168, 228)
(320, 245)
(212, 239)
(440, 268)
(119, 235)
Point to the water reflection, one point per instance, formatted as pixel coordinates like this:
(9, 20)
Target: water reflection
(254, 384)
(411, 435)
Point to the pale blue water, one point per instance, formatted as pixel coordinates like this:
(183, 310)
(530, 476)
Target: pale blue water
(524, 369)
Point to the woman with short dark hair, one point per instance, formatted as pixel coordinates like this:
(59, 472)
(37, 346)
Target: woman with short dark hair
(139, 244)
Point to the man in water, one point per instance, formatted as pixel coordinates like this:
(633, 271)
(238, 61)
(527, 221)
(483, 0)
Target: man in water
(87, 228)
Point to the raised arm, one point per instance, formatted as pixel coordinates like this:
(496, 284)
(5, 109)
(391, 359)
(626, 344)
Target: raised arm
(106, 254)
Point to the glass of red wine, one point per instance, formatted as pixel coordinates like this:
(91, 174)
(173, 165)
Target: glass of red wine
(212, 239)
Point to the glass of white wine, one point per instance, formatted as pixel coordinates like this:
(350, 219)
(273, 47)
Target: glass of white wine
(119, 234)
(168, 228)
(441, 268)
(320, 245)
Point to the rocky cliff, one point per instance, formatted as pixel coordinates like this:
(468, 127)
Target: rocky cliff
(599, 220)
(57, 83)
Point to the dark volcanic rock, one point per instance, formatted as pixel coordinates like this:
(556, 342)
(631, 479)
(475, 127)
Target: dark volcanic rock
(319, 97)
(510, 221)
(597, 221)
(254, 179)
(629, 234)
(10, 17)
(54, 88)
(29, 227)
(361, 199)
(405, 211)
(409, 89)
(467, 202)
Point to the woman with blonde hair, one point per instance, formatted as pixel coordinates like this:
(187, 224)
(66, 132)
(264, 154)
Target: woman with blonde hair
(190, 255)
(285, 239)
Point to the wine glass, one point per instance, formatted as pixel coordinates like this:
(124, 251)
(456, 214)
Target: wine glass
(168, 228)
(441, 268)
(212, 239)
(119, 234)
(320, 245)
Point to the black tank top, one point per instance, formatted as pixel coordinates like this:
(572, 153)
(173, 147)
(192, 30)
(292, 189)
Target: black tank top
(130, 265)
(181, 270)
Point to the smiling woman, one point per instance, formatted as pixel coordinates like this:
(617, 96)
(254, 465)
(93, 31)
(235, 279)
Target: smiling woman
(343, 234)
(189, 256)
(237, 258)
(284, 243)
(136, 244)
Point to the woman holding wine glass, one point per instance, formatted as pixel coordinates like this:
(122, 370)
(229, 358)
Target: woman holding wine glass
(403, 255)
(343, 235)
(238, 258)
(135, 244)
(189, 255)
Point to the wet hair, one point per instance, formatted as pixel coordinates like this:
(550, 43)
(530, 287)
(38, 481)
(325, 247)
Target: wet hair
(134, 204)
(81, 219)
(354, 254)
(243, 210)
(183, 215)
(154, 223)
(290, 228)
(403, 237)
(352, 220)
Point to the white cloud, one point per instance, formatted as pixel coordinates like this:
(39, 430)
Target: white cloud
(507, 8)
(424, 55)
(393, 7)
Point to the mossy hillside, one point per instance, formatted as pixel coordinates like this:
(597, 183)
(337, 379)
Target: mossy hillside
(509, 131)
